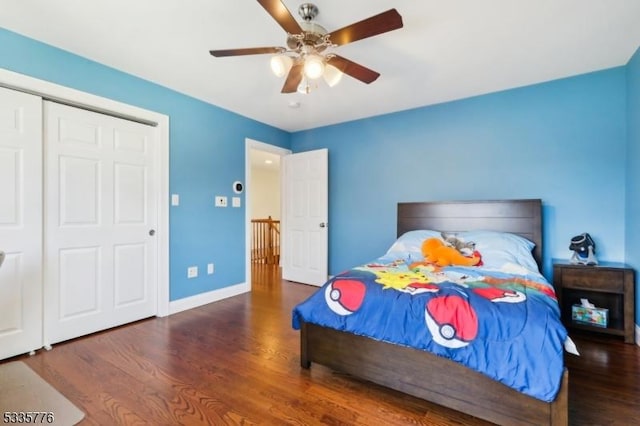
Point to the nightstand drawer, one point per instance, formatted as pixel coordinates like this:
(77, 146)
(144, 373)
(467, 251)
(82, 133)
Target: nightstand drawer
(593, 279)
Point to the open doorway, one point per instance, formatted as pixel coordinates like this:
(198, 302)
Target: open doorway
(263, 211)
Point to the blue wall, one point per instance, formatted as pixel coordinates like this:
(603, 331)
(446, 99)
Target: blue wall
(575, 143)
(562, 141)
(632, 228)
(206, 157)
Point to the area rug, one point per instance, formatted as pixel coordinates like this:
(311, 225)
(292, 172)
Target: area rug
(22, 392)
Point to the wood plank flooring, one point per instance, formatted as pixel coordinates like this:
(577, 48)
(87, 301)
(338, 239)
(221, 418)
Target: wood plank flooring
(235, 362)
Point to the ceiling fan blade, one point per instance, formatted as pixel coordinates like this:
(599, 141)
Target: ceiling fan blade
(378, 24)
(281, 14)
(293, 79)
(356, 71)
(249, 51)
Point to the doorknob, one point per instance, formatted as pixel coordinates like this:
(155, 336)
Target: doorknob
(323, 224)
(1, 257)
(152, 232)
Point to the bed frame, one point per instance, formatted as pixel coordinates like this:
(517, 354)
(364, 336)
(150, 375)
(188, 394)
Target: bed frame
(428, 376)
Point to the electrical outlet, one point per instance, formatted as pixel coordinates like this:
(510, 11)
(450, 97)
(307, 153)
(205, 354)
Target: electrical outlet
(221, 201)
(210, 268)
(192, 271)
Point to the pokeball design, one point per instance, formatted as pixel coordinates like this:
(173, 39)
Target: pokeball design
(344, 297)
(451, 320)
(418, 288)
(501, 295)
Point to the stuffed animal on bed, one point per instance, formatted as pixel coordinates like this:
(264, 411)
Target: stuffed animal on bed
(436, 252)
(465, 247)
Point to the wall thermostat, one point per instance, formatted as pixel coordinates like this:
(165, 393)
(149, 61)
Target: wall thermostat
(238, 187)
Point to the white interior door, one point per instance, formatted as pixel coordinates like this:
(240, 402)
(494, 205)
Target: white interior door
(100, 217)
(305, 217)
(20, 222)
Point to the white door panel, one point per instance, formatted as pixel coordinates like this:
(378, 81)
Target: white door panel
(129, 271)
(20, 222)
(79, 282)
(305, 233)
(79, 191)
(100, 206)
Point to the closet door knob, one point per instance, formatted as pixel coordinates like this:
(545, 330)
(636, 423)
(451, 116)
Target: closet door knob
(152, 232)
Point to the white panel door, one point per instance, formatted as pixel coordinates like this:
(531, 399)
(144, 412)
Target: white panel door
(20, 222)
(305, 213)
(100, 217)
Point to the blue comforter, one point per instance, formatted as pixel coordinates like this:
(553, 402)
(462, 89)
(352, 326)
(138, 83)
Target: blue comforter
(504, 325)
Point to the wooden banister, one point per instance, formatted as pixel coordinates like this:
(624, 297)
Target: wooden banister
(265, 241)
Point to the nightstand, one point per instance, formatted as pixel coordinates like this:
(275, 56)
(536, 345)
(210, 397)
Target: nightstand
(608, 285)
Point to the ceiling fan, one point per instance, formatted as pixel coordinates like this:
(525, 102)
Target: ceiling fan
(305, 58)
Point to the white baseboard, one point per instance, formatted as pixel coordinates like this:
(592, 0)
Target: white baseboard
(206, 298)
(637, 334)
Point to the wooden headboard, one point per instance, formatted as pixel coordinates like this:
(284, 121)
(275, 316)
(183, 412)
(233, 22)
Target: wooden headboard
(521, 217)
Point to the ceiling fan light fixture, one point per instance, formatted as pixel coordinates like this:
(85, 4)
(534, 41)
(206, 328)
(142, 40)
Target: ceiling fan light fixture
(307, 54)
(332, 75)
(313, 66)
(281, 64)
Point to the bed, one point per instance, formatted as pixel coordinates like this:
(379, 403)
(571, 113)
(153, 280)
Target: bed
(430, 376)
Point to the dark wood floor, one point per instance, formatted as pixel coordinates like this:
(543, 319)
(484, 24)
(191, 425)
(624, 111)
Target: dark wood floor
(235, 362)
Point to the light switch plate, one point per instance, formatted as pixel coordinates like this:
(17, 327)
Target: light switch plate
(235, 202)
(221, 201)
(175, 199)
(192, 272)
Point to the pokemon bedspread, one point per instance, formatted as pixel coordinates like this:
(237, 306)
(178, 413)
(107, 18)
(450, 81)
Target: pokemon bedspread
(503, 325)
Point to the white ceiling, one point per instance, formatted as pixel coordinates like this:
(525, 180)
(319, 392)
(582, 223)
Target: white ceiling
(447, 50)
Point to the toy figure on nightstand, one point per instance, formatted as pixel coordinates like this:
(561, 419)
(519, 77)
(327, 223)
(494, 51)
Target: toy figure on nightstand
(584, 249)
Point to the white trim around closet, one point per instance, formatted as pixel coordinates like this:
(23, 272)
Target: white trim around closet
(73, 97)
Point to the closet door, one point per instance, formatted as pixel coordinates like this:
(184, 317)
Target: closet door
(100, 220)
(20, 222)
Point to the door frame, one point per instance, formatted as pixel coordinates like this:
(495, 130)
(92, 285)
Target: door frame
(56, 92)
(261, 146)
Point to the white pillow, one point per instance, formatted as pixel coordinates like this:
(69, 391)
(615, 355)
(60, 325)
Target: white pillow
(499, 249)
(409, 244)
